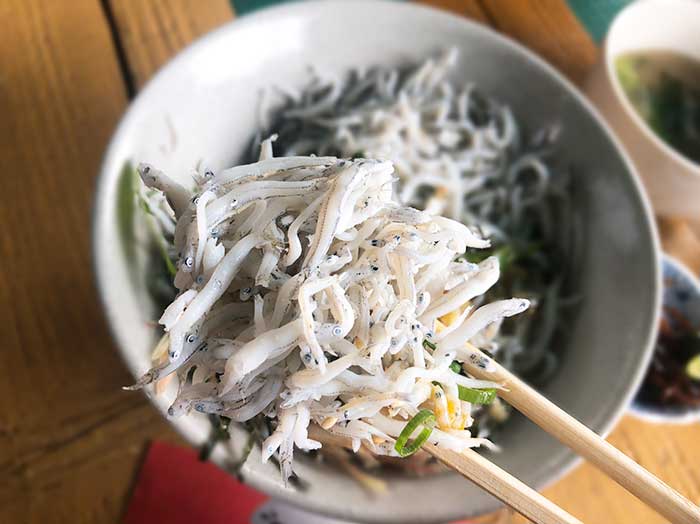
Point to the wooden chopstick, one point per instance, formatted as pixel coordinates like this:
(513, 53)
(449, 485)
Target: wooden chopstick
(502, 485)
(484, 474)
(558, 423)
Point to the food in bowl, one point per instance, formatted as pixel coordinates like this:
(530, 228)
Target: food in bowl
(208, 97)
(664, 89)
(307, 294)
(671, 389)
(458, 153)
(673, 378)
(462, 154)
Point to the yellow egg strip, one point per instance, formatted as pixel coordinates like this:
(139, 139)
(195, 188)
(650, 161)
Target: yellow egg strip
(440, 407)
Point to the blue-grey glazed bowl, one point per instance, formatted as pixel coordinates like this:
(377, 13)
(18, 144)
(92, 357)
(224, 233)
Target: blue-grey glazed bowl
(204, 105)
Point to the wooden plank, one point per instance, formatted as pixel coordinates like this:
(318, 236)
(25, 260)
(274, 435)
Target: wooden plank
(669, 451)
(548, 27)
(680, 240)
(469, 8)
(151, 32)
(69, 438)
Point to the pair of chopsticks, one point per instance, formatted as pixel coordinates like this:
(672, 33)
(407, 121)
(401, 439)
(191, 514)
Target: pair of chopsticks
(569, 431)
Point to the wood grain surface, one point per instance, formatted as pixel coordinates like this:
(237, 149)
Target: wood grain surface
(151, 32)
(70, 439)
(471, 9)
(549, 28)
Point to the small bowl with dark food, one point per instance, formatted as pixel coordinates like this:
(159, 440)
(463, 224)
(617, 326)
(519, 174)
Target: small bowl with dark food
(671, 389)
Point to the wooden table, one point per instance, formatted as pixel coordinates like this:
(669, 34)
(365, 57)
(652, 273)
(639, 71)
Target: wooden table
(70, 440)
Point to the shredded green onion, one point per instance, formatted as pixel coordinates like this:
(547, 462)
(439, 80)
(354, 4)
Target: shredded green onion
(219, 433)
(477, 396)
(163, 250)
(473, 396)
(425, 418)
(428, 344)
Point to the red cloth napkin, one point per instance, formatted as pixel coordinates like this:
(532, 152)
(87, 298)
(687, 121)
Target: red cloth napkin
(175, 487)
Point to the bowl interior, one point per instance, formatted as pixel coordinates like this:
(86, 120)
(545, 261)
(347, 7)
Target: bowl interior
(204, 106)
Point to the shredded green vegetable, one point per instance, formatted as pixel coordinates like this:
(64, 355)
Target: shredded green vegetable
(158, 238)
(427, 344)
(219, 433)
(424, 418)
(162, 245)
(127, 187)
(456, 367)
(506, 255)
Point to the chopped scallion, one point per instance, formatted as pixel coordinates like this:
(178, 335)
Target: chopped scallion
(163, 250)
(477, 396)
(693, 367)
(424, 418)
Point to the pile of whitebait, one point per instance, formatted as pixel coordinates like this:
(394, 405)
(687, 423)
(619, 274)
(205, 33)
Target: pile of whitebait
(306, 294)
(460, 154)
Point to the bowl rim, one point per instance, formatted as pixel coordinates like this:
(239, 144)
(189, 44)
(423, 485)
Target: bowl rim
(689, 167)
(658, 414)
(112, 157)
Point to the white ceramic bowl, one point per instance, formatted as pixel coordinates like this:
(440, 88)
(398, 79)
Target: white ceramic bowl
(681, 291)
(672, 181)
(203, 104)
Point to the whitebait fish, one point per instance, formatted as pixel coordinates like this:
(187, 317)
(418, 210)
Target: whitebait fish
(324, 307)
(463, 155)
